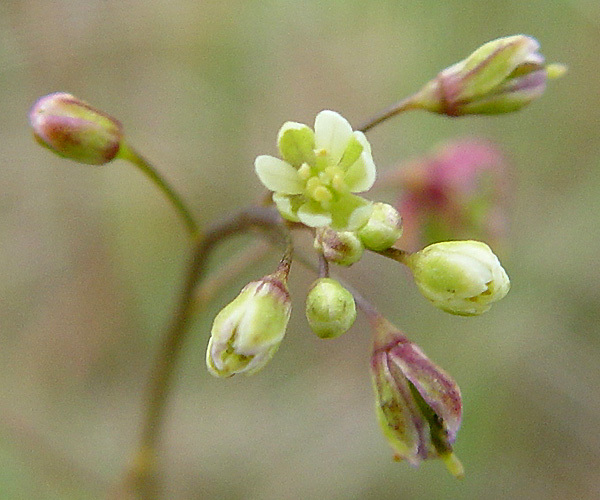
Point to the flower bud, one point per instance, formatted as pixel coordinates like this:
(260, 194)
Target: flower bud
(330, 308)
(383, 228)
(73, 129)
(501, 76)
(247, 332)
(343, 247)
(459, 277)
(419, 406)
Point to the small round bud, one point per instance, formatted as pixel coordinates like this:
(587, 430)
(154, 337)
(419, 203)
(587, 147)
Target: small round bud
(330, 308)
(247, 332)
(73, 129)
(383, 228)
(343, 248)
(459, 277)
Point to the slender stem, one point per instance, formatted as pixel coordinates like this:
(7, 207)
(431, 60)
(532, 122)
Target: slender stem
(366, 307)
(396, 254)
(395, 109)
(323, 266)
(141, 478)
(283, 270)
(129, 154)
(212, 284)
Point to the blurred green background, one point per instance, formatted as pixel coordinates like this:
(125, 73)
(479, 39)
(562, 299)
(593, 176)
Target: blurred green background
(91, 257)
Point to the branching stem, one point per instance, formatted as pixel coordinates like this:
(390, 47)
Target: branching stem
(141, 478)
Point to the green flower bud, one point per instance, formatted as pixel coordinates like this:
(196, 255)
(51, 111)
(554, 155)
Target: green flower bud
(73, 129)
(383, 228)
(343, 248)
(459, 277)
(501, 76)
(247, 332)
(330, 308)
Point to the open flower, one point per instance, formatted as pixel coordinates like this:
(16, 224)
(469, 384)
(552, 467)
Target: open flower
(320, 170)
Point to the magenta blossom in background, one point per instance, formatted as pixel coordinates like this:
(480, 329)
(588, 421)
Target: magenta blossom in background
(459, 192)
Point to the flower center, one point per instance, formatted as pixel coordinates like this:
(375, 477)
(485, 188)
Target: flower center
(322, 185)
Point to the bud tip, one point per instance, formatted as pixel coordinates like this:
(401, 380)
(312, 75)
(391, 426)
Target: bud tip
(453, 464)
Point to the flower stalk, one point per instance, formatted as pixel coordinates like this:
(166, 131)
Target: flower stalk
(141, 477)
(129, 154)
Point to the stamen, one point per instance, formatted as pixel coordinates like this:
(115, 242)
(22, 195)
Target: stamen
(304, 172)
(321, 193)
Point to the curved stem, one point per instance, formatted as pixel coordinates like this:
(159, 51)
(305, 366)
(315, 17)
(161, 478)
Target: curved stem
(222, 277)
(395, 109)
(132, 156)
(141, 477)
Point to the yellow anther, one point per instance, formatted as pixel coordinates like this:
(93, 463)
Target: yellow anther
(304, 172)
(324, 177)
(321, 194)
(338, 182)
(312, 184)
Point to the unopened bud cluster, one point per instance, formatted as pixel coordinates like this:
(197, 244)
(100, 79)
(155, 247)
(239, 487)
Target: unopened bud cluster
(381, 230)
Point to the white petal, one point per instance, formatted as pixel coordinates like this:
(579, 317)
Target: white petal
(332, 133)
(278, 175)
(296, 144)
(313, 215)
(361, 175)
(350, 213)
(288, 205)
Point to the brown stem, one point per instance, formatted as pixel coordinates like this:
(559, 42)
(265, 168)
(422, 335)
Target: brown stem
(323, 266)
(222, 277)
(396, 254)
(395, 109)
(141, 478)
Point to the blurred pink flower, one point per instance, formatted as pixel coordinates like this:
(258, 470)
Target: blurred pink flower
(459, 192)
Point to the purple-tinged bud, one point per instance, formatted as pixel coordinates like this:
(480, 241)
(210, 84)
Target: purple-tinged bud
(340, 247)
(418, 404)
(501, 76)
(247, 332)
(73, 129)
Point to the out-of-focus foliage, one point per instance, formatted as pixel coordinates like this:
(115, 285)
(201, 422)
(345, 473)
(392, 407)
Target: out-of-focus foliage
(91, 259)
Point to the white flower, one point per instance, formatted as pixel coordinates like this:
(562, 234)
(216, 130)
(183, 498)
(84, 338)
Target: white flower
(320, 170)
